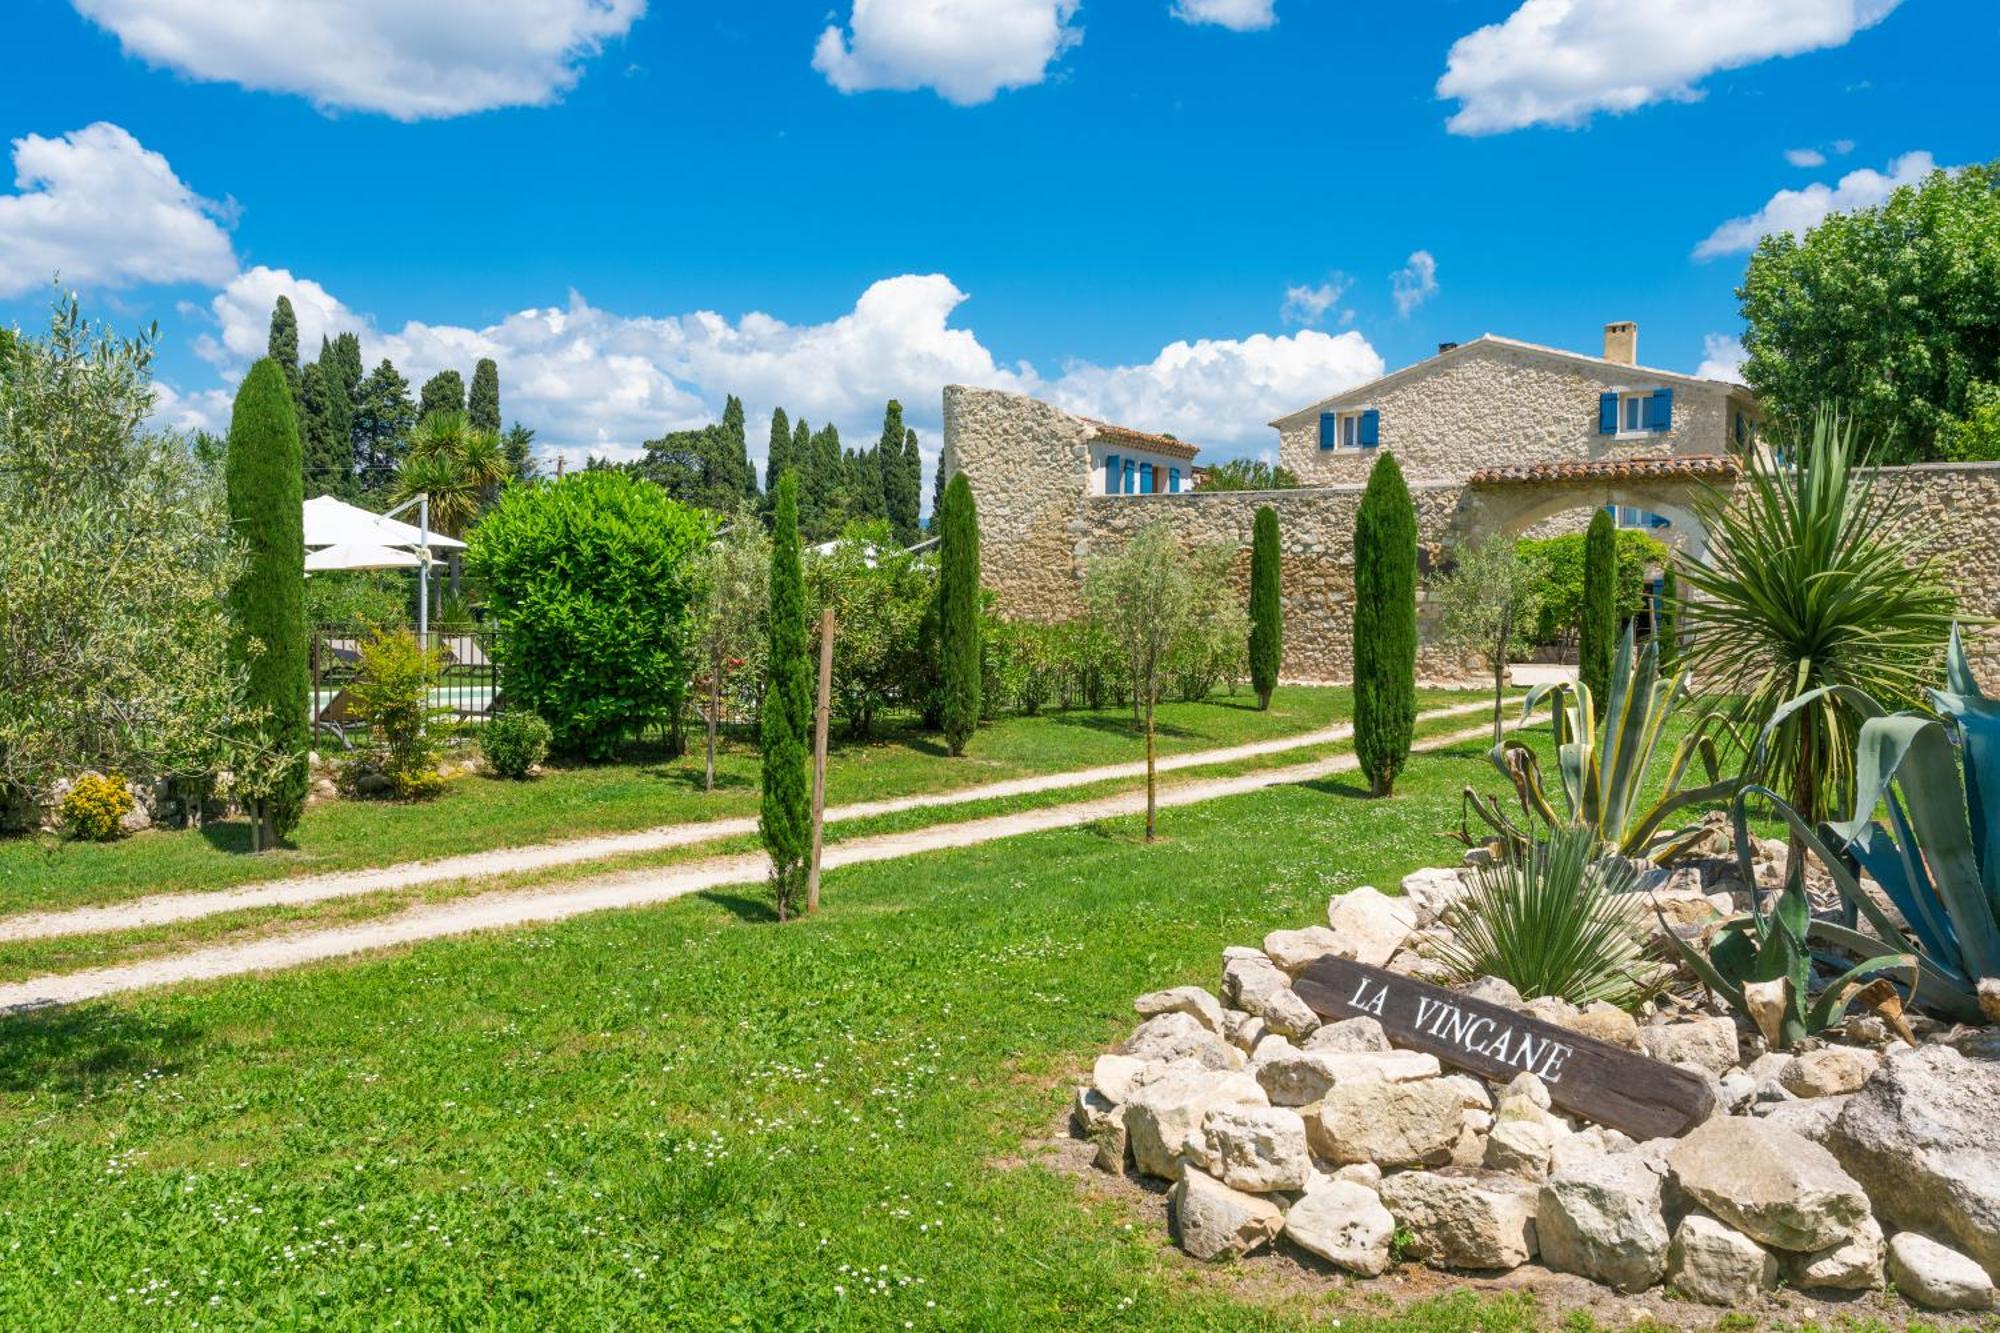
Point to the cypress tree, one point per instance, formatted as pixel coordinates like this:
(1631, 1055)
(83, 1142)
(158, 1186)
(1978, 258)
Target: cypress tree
(1385, 625)
(958, 613)
(786, 825)
(283, 344)
(482, 406)
(901, 495)
(913, 471)
(864, 485)
(341, 358)
(1597, 634)
(937, 490)
(1667, 629)
(778, 456)
(740, 478)
(802, 463)
(443, 392)
(325, 434)
(267, 606)
(1267, 617)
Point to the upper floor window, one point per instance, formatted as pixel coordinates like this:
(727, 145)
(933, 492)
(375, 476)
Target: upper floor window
(1359, 429)
(1635, 412)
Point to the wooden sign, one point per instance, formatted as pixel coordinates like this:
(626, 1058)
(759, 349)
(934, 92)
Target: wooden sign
(1602, 1083)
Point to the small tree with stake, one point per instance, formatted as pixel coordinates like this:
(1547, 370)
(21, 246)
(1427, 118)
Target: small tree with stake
(1487, 605)
(958, 613)
(1385, 625)
(786, 823)
(1142, 597)
(1267, 616)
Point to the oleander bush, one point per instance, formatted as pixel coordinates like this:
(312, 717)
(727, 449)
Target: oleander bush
(513, 743)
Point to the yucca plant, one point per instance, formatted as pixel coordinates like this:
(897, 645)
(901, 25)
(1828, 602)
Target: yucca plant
(1605, 765)
(1558, 920)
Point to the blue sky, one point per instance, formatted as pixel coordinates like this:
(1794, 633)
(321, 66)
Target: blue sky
(1186, 215)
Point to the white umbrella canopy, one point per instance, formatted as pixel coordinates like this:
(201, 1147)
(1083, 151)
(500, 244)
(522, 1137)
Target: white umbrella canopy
(331, 522)
(359, 555)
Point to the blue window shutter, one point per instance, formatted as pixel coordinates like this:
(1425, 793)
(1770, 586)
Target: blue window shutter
(1371, 429)
(1173, 481)
(1145, 478)
(1125, 478)
(1607, 414)
(1111, 474)
(1329, 430)
(1660, 410)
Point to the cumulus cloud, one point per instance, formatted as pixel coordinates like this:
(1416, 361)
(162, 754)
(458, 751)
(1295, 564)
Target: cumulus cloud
(101, 209)
(1797, 211)
(967, 51)
(410, 61)
(1721, 358)
(1235, 15)
(1559, 62)
(1307, 305)
(1805, 157)
(1414, 283)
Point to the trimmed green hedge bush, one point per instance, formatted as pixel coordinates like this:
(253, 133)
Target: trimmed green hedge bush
(513, 743)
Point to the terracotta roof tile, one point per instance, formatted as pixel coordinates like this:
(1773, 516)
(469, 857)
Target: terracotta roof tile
(1165, 444)
(1689, 467)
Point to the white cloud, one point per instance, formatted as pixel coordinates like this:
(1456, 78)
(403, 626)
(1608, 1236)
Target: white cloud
(1842, 147)
(1235, 15)
(968, 51)
(1308, 305)
(1721, 358)
(1805, 157)
(1797, 211)
(1558, 62)
(1415, 283)
(101, 209)
(408, 60)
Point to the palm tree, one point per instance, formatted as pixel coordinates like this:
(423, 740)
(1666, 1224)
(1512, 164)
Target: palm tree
(1814, 578)
(459, 467)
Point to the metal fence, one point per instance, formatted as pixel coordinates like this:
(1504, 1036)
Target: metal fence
(467, 687)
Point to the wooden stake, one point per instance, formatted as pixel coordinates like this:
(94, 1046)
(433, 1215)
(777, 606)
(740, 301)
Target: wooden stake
(819, 752)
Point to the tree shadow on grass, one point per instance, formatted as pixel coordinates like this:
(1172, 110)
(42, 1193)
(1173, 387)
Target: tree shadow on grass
(1121, 725)
(691, 779)
(742, 906)
(1347, 790)
(232, 836)
(74, 1050)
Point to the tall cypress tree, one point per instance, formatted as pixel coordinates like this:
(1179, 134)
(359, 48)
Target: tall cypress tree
(900, 494)
(283, 344)
(1385, 625)
(482, 405)
(786, 725)
(802, 463)
(937, 490)
(913, 471)
(325, 434)
(1597, 634)
(741, 478)
(863, 472)
(443, 392)
(1667, 627)
(267, 605)
(958, 613)
(341, 358)
(1267, 616)
(778, 456)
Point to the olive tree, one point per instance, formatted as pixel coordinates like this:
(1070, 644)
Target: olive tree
(1487, 605)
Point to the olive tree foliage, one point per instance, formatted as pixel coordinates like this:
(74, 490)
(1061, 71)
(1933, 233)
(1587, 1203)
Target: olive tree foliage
(734, 575)
(1487, 604)
(114, 569)
(879, 594)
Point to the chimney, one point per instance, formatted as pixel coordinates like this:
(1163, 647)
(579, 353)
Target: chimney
(1445, 347)
(1621, 343)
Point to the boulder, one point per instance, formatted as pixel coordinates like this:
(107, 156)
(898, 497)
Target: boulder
(1389, 1124)
(1102, 1124)
(1709, 1043)
(1302, 1077)
(1811, 1118)
(1429, 892)
(1773, 1185)
(1853, 1265)
(1112, 1076)
(1371, 924)
(1460, 1218)
(1246, 973)
(1284, 1012)
(1605, 1219)
(1258, 986)
(1216, 1222)
(1164, 1117)
(1606, 1023)
(1242, 1029)
(1360, 1173)
(1191, 1000)
(1494, 990)
(1831, 1071)
(1551, 1009)
(1936, 1276)
(1261, 1149)
(1180, 1036)
(1344, 1223)
(1710, 1262)
(1923, 1138)
(1348, 1035)
(1520, 1147)
(1291, 950)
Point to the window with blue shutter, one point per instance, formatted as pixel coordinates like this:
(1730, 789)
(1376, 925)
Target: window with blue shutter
(1371, 429)
(1173, 481)
(1131, 476)
(1111, 474)
(1607, 414)
(1145, 478)
(1660, 410)
(1329, 429)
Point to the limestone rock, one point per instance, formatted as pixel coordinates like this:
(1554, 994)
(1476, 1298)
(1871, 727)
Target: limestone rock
(1291, 950)
(1191, 1000)
(1709, 1043)
(1460, 1218)
(1349, 1035)
(1606, 1023)
(1811, 1118)
(1359, 1173)
(1520, 1147)
(1242, 1029)
(1261, 1149)
(1102, 1124)
(1373, 924)
(1769, 1183)
(1216, 1222)
(1344, 1223)
(1180, 1036)
(1112, 1076)
(1164, 1117)
(1710, 1262)
(1473, 1093)
(1923, 1138)
(1389, 1124)
(1246, 973)
(1299, 1078)
(1936, 1276)
(1605, 1219)
(1551, 1009)
(1853, 1265)
(1831, 1071)
(1430, 891)
(1494, 990)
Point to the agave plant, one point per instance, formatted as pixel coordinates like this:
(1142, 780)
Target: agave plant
(1606, 764)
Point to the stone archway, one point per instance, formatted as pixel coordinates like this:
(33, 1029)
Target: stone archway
(1509, 501)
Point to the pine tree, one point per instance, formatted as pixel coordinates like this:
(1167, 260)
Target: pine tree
(1267, 617)
(326, 436)
(901, 495)
(786, 725)
(283, 344)
(958, 613)
(1385, 625)
(779, 452)
(483, 404)
(443, 392)
(1597, 634)
(267, 606)
(913, 472)
(383, 418)
(739, 478)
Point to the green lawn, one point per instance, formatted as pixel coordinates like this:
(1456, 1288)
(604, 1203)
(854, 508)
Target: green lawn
(478, 813)
(685, 1117)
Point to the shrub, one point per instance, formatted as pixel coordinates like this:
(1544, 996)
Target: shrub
(785, 823)
(358, 599)
(1597, 630)
(1247, 474)
(513, 743)
(1557, 563)
(590, 583)
(958, 613)
(94, 808)
(1212, 647)
(1385, 625)
(1267, 615)
(878, 594)
(391, 694)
